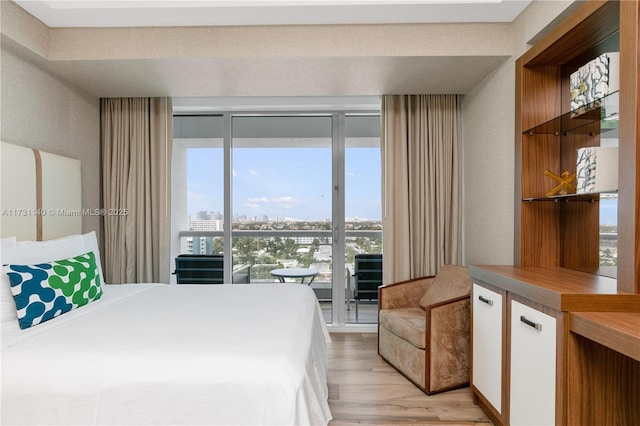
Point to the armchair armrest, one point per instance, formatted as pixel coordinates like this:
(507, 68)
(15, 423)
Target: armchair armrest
(448, 325)
(404, 294)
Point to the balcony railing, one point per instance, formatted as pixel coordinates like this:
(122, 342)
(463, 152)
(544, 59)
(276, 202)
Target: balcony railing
(306, 246)
(247, 259)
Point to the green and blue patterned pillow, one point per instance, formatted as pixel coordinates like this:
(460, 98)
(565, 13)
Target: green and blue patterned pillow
(44, 291)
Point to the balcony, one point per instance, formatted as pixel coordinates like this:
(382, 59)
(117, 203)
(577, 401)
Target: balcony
(259, 251)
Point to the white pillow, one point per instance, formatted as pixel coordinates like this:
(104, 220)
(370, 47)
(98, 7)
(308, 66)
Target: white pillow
(33, 252)
(7, 307)
(8, 310)
(91, 244)
(8, 242)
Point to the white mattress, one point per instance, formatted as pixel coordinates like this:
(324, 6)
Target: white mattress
(159, 354)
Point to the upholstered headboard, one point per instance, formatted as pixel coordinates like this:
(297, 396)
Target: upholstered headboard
(40, 194)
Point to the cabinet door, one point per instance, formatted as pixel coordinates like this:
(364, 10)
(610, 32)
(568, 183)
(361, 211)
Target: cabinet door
(487, 344)
(533, 366)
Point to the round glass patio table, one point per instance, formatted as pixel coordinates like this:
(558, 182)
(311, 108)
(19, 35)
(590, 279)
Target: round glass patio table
(301, 273)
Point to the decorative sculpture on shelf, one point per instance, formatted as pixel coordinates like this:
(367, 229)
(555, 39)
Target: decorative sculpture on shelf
(564, 183)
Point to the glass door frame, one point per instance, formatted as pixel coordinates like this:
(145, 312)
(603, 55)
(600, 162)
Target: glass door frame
(338, 302)
(338, 143)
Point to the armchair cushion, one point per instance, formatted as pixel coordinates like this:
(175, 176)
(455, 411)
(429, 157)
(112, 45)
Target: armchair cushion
(407, 323)
(450, 283)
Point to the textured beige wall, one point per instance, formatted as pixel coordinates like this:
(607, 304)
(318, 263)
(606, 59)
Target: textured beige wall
(455, 39)
(489, 148)
(21, 29)
(38, 110)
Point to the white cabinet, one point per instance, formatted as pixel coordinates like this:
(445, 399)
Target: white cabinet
(533, 366)
(487, 344)
(541, 368)
(514, 350)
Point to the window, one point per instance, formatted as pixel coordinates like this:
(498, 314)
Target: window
(198, 196)
(301, 190)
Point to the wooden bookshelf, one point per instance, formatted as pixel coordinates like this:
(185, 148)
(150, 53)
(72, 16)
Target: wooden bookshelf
(565, 233)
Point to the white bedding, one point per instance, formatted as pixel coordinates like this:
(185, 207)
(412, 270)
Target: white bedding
(160, 354)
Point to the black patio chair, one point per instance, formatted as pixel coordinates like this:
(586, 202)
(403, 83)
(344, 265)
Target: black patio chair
(367, 278)
(207, 269)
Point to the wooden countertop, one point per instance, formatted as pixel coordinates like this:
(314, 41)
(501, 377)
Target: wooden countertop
(619, 331)
(559, 288)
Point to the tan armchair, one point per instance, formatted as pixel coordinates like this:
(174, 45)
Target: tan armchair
(423, 328)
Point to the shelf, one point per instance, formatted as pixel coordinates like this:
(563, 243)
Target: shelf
(590, 197)
(597, 117)
(619, 331)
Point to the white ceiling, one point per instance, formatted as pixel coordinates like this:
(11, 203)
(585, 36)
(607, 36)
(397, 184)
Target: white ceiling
(190, 79)
(120, 13)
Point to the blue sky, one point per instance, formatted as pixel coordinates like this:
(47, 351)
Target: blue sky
(608, 212)
(284, 182)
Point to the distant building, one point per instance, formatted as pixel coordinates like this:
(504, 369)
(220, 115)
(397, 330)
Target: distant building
(205, 225)
(323, 253)
(198, 245)
(303, 240)
(288, 263)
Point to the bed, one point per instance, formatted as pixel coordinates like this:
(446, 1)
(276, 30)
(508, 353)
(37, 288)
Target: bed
(160, 354)
(154, 353)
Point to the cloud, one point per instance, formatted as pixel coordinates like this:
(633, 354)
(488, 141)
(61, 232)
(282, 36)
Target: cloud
(286, 202)
(253, 172)
(287, 199)
(256, 203)
(260, 200)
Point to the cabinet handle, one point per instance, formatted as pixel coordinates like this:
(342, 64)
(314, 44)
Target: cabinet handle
(487, 301)
(531, 323)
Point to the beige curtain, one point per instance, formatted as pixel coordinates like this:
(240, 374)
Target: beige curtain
(421, 179)
(136, 136)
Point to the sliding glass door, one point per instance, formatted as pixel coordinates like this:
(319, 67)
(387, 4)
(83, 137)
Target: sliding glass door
(198, 183)
(296, 191)
(282, 204)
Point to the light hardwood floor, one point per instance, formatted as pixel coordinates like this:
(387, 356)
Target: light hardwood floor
(364, 389)
(367, 313)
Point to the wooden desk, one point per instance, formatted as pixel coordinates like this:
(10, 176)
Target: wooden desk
(603, 368)
(603, 361)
